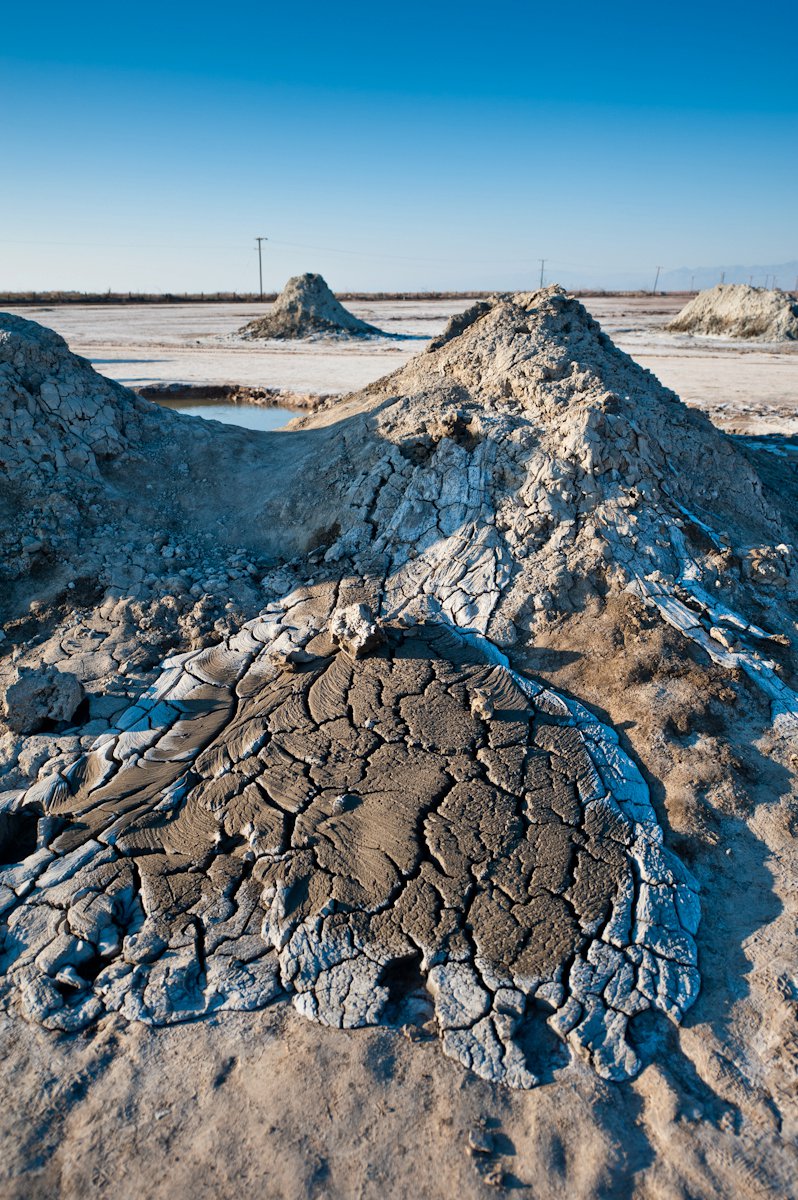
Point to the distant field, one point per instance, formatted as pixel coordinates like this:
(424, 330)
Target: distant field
(18, 299)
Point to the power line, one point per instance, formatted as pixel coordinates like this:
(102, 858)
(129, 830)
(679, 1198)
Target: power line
(558, 264)
(238, 246)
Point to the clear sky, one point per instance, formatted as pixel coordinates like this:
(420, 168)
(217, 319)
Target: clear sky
(415, 145)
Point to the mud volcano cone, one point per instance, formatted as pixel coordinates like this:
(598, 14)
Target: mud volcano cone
(739, 311)
(306, 308)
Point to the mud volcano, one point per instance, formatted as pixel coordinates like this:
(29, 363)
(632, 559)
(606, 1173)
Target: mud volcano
(360, 801)
(739, 311)
(306, 308)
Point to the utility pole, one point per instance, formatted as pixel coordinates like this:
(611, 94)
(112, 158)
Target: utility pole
(692, 283)
(542, 265)
(723, 276)
(656, 281)
(260, 263)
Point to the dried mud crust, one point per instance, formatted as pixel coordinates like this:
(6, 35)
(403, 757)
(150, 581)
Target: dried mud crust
(511, 474)
(306, 308)
(499, 484)
(416, 835)
(737, 310)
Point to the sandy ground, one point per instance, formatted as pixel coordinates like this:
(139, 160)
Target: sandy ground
(271, 1105)
(746, 387)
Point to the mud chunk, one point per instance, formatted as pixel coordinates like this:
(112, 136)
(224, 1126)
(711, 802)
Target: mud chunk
(355, 630)
(41, 696)
(481, 704)
(480, 1141)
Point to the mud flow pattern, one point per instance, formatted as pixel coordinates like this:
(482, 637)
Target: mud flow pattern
(417, 835)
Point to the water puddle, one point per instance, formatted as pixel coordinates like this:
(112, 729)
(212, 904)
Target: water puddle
(247, 416)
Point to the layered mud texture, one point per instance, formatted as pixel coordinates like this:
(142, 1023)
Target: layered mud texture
(498, 488)
(403, 831)
(306, 308)
(739, 311)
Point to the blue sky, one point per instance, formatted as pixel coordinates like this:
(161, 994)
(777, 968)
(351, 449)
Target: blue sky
(415, 146)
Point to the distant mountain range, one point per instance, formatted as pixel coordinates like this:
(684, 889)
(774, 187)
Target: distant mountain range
(682, 279)
(783, 275)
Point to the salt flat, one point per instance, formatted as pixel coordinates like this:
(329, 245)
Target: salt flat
(746, 386)
(195, 343)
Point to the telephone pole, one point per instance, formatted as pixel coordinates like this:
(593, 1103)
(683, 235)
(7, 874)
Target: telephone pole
(656, 281)
(260, 263)
(542, 262)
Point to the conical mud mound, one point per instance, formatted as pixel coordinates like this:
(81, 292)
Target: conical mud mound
(306, 308)
(528, 463)
(360, 801)
(739, 311)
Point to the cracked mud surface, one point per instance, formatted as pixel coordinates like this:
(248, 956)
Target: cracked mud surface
(417, 831)
(295, 809)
